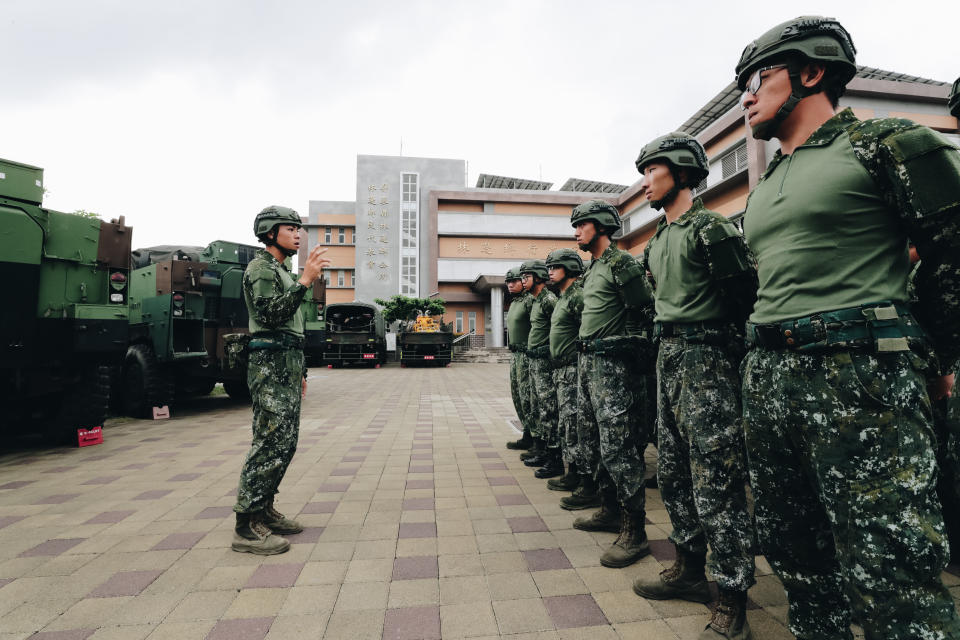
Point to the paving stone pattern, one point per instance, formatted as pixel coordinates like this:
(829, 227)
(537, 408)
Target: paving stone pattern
(419, 525)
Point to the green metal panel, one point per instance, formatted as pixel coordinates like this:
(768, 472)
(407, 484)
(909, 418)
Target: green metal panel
(63, 284)
(97, 311)
(221, 251)
(142, 285)
(156, 315)
(72, 237)
(21, 181)
(21, 238)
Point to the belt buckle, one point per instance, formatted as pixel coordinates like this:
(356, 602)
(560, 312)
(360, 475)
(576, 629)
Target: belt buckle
(769, 335)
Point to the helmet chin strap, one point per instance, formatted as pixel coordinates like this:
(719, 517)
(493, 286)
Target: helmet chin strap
(272, 242)
(768, 129)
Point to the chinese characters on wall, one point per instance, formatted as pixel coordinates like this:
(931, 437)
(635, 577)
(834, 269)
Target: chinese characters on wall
(378, 230)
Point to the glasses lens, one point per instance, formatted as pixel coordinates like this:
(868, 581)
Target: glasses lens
(753, 84)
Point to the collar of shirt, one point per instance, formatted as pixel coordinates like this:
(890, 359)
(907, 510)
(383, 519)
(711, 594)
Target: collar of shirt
(823, 136)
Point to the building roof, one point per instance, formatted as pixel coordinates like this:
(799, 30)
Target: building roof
(488, 181)
(730, 95)
(592, 186)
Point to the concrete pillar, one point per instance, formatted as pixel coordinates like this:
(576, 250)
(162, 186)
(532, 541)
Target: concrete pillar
(495, 332)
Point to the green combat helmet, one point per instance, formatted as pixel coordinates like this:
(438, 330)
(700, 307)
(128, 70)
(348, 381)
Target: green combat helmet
(270, 218)
(569, 259)
(954, 100)
(512, 274)
(813, 38)
(678, 150)
(537, 267)
(599, 211)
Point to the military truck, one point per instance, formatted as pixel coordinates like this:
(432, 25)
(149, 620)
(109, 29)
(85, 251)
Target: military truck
(355, 333)
(314, 325)
(183, 300)
(426, 341)
(63, 325)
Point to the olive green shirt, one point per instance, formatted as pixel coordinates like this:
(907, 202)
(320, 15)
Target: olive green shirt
(565, 323)
(680, 267)
(518, 319)
(273, 296)
(823, 234)
(540, 314)
(604, 311)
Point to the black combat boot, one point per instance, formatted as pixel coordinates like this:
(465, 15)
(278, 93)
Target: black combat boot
(584, 497)
(568, 482)
(553, 466)
(685, 580)
(522, 443)
(631, 544)
(540, 457)
(729, 620)
(251, 535)
(536, 449)
(606, 519)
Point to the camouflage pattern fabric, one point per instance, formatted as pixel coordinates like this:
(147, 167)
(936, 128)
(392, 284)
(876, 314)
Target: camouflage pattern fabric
(565, 382)
(274, 377)
(543, 405)
(610, 397)
(843, 473)
(520, 387)
(701, 460)
(273, 296)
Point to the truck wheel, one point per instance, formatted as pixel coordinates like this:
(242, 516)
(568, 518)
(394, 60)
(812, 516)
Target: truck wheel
(195, 387)
(237, 389)
(145, 384)
(84, 406)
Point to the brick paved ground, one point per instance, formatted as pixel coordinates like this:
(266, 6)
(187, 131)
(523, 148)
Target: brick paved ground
(420, 524)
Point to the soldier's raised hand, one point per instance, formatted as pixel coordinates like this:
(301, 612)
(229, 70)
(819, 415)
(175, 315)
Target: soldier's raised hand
(314, 266)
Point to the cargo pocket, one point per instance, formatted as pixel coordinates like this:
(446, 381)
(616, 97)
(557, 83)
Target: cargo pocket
(895, 533)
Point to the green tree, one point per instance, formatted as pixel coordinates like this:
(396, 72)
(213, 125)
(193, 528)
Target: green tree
(87, 214)
(405, 308)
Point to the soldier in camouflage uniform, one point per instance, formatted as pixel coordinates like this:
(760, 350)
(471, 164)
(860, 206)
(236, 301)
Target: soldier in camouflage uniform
(543, 395)
(704, 283)
(614, 359)
(518, 329)
(276, 376)
(836, 411)
(564, 267)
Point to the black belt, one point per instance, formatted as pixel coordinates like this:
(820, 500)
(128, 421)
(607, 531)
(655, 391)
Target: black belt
(276, 341)
(882, 326)
(707, 330)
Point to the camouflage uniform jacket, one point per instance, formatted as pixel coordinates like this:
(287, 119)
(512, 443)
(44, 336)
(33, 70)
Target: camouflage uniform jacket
(540, 313)
(565, 324)
(616, 300)
(700, 268)
(915, 172)
(273, 296)
(518, 319)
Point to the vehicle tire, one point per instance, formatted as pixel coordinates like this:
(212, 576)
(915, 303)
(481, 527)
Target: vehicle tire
(192, 387)
(84, 406)
(237, 389)
(145, 383)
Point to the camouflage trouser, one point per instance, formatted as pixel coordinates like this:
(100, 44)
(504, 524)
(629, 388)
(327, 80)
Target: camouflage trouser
(702, 465)
(565, 381)
(842, 469)
(275, 377)
(520, 387)
(611, 432)
(543, 395)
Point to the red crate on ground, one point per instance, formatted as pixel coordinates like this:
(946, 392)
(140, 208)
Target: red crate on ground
(87, 437)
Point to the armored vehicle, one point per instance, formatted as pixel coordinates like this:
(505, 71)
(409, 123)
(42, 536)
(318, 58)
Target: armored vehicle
(314, 325)
(183, 300)
(63, 323)
(426, 341)
(355, 333)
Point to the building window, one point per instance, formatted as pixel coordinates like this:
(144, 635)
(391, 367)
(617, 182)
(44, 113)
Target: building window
(326, 278)
(353, 277)
(353, 235)
(701, 186)
(458, 326)
(409, 234)
(341, 236)
(472, 322)
(326, 235)
(340, 278)
(734, 162)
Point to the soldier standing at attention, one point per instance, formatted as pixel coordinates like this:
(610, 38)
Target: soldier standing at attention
(613, 360)
(704, 284)
(518, 330)
(835, 402)
(276, 376)
(564, 267)
(543, 395)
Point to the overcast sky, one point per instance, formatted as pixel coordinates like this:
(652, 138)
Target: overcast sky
(189, 117)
